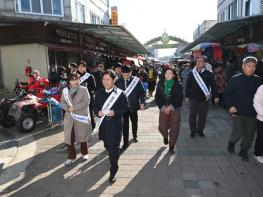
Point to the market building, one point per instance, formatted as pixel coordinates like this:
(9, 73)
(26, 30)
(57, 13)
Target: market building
(45, 45)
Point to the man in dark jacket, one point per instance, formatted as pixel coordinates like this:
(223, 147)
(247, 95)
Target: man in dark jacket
(110, 127)
(87, 80)
(135, 95)
(198, 85)
(98, 75)
(238, 97)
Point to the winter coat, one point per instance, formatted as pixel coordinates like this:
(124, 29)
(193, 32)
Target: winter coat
(137, 95)
(80, 104)
(110, 130)
(258, 103)
(193, 90)
(239, 93)
(174, 99)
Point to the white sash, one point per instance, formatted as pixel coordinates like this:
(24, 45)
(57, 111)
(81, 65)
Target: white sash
(109, 103)
(201, 83)
(80, 118)
(131, 87)
(84, 77)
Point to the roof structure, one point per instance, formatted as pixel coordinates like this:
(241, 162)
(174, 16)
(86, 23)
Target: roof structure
(117, 35)
(222, 29)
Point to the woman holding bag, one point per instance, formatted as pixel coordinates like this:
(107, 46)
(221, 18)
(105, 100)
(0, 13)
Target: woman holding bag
(75, 101)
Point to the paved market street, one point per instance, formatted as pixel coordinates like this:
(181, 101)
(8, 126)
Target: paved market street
(200, 167)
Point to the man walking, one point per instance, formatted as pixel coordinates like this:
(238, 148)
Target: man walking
(238, 97)
(197, 91)
(135, 95)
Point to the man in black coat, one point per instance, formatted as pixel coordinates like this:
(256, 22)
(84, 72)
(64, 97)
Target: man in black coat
(88, 81)
(98, 75)
(238, 97)
(110, 129)
(135, 100)
(199, 100)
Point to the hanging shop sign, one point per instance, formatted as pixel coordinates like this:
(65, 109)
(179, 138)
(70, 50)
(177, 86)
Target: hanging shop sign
(57, 35)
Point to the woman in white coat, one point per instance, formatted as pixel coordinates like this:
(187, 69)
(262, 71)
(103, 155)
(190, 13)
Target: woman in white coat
(258, 105)
(75, 101)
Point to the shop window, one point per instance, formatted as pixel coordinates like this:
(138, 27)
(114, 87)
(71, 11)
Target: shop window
(44, 7)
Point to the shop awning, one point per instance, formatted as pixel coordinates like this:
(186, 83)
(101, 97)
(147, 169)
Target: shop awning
(220, 30)
(116, 35)
(66, 48)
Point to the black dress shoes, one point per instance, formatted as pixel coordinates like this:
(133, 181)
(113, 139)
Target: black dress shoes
(165, 140)
(112, 179)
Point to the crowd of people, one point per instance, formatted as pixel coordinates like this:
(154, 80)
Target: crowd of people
(115, 95)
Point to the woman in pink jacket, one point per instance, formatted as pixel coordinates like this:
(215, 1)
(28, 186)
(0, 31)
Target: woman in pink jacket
(258, 105)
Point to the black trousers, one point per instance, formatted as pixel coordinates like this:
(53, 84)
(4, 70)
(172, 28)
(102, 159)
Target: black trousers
(93, 124)
(134, 120)
(197, 115)
(114, 154)
(259, 140)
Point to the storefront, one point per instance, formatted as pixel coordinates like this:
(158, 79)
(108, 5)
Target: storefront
(237, 38)
(47, 45)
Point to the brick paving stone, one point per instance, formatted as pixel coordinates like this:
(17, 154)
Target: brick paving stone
(201, 166)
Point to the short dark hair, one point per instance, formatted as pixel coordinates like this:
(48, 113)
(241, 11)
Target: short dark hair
(61, 68)
(83, 63)
(109, 72)
(73, 76)
(250, 59)
(126, 69)
(117, 65)
(73, 64)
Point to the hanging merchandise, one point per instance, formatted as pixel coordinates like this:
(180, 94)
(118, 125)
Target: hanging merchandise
(252, 47)
(217, 53)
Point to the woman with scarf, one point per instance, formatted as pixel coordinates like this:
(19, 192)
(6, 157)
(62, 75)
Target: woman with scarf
(169, 98)
(75, 101)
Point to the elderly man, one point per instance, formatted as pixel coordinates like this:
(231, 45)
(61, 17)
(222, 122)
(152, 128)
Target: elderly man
(238, 97)
(197, 91)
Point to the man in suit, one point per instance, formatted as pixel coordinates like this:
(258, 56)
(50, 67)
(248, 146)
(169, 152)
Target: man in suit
(135, 95)
(110, 125)
(197, 91)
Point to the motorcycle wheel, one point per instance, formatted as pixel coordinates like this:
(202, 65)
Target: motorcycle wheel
(26, 122)
(7, 122)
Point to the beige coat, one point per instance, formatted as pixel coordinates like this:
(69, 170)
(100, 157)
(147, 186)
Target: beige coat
(81, 107)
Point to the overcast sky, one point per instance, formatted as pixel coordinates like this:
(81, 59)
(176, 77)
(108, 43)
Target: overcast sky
(147, 19)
